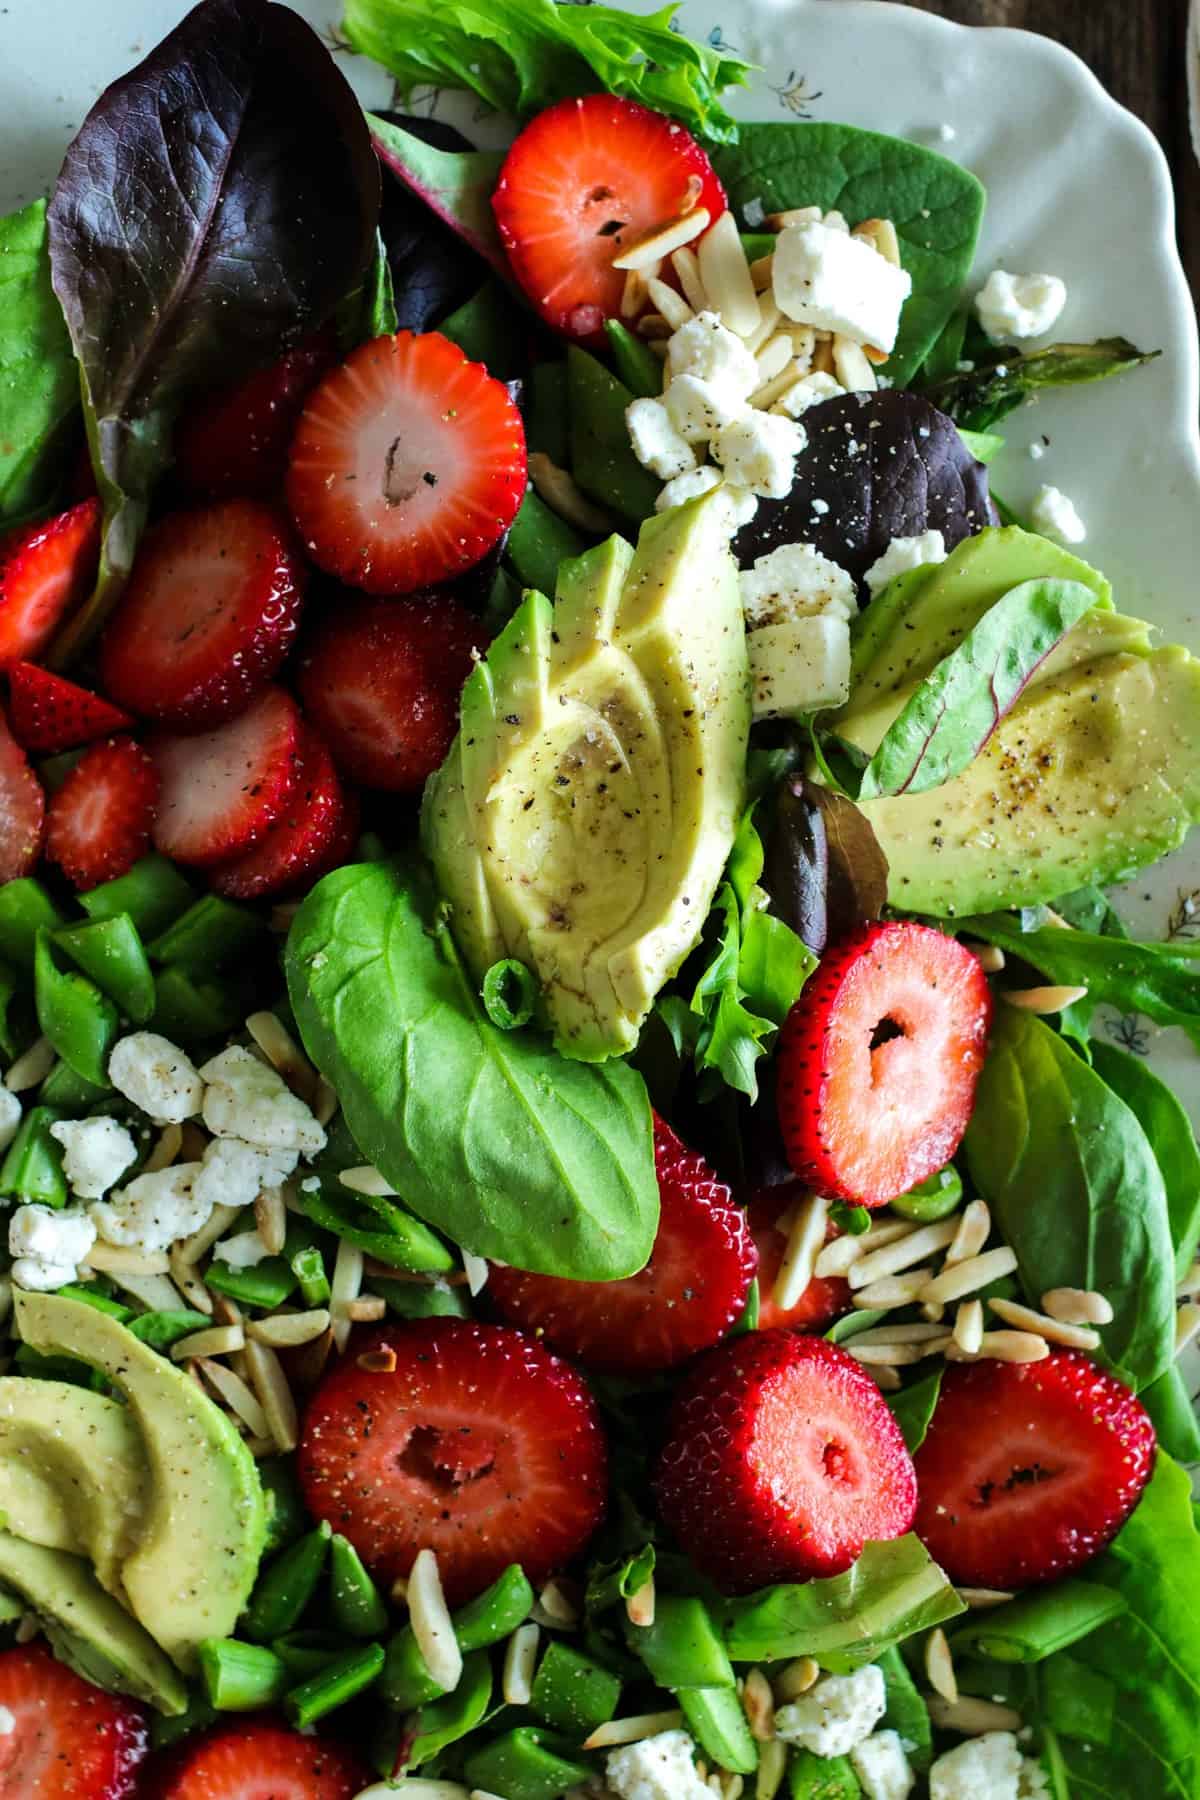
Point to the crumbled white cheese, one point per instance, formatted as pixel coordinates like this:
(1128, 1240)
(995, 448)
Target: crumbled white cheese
(903, 554)
(1012, 307)
(96, 1152)
(795, 581)
(799, 667)
(154, 1210)
(157, 1076)
(688, 487)
(48, 1244)
(699, 409)
(234, 1174)
(706, 348)
(742, 504)
(1056, 517)
(810, 390)
(882, 1768)
(245, 1251)
(835, 282)
(983, 1768)
(659, 1768)
(10, 1116)
(656, 443)
(759, 452)
(836, 1714)
(247, 1099)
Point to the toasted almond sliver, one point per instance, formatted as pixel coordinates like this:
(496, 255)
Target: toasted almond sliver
(981, 1599)
(1077, 1306)
(898, 1334)
(154, 1292)
(968, 1327)
(123, 1259)
(634, 294)
(795, 215)
(1044, 999)
(990, 957)
(758, 1704)
(1076, 1337)
(284, 1054)
(1014, 1346)
(166, 1149)
(772, 1766)
(805, 1237)
(974, 1228)
(430, 1619)
(1187, 1324)
(822, 356)
(377, 1362)
(970, 1716)
(888, 1355)
(836, 1257)
(939, 1665)
(557, 1606)
(687, 271)
(31, 1068)
(642, 1604)
(270, 1216)
(274, 1394)
(771, 316)
(795, 1678)
(215, 1340)
(191, 1249)
(881, 235)
(365, 1178)
(366, 1309)
(563, 495)
(632, 1730)
(653, 325)
(325, 1101)
(344, 1286)
(476, 1270)
(672, 235)
(283, 1331)
(967, 1277)
(885, 1377)
(237, 1395)
(762, 272)
(852, 366)
(902, 1253)
(520, 1657)
(775, 356)
(763, 398)
(672, 305)
(888, 1230)
(727, 278)
(893, 1290)
(189, 1283)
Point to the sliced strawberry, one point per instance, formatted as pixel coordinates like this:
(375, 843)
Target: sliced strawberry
(879, 1060)
(207, 617)
(479, 1445)
(236, 441)
(782, 1459)
(381, 680)
(45, 571)
(407, 465)
(297, 847)
(68, 1740)
(1029, 1469)
(583, 182)
(22, 809)
(257, 1759)
(685, 1299)
(99, 820)
(223, 790)
(50, 713)
(823, 1299)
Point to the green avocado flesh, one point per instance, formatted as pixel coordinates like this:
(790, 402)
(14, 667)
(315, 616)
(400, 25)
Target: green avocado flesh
(1094, 773)
(196, 1550)
(587, 808)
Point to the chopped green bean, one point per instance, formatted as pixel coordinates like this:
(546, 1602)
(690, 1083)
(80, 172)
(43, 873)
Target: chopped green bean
(268, 1284)
(17, 1024)
(308, 1266)
(162, 1329)
(111, 953)
(152, 893)
(485, 1620)
(25, 909)
(611, 1582)
(932, 1199)
(398, 1238)
(422, 1299)
(443, 1722)
(602, 460)
(209, 936)
(190, 1010)
(355, 1604)
(63, 1087)
(822, 1777)
(1042, 1622)
(636, 363)
(286, 1586)
(520, 1766)
(715, 1719)
(509, 994)
(308, 1652)
(80, 1021)
(242, 1677)
(286, 1516)
(539, 541)
(572, 1693)
(339, 1682)
(32, 1167)
(683, 1648)
(166, 1730)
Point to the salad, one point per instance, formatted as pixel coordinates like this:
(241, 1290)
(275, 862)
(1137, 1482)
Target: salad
(568, 1232)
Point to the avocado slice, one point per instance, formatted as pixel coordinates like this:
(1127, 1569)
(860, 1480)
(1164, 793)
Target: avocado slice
(73, 1474)
(198, 1547)
(587, 808)
(87, 1628)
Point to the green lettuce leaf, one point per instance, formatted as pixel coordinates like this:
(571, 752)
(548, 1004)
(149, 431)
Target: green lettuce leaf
(39, 383)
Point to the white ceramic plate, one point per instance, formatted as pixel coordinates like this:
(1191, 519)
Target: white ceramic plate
(1076, 185)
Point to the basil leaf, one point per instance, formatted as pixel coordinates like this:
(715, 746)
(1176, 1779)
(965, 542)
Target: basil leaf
(456, 185)
(1169, 1130)
(205, 217)
(935, 205)
(39, 385)
(844, 1621)
(491, 1136)
(952, 714)
(1044, 1123)
(1001, 379)
(913, 1408)
(520, 56)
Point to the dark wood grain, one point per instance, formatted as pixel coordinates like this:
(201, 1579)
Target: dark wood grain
(1137, 48)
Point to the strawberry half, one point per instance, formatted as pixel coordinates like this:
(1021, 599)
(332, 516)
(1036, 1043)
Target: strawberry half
(879, 1060)
(407, 465)
(22, 809)
(223, 790)
(209, 612)
(45, 571)
(686, 1298)
(257, 1759)
(479, 1445)
(50, 713)
(299, 844)
(68, 1740)
(823, 1300)
(99, 820)
(1029, 1469)
(381, 680)
(782, 1459)
(583, 181)
(236, 442)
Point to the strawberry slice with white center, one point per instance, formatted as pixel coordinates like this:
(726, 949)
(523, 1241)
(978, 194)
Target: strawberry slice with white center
(67, 1740)
(258, 1759)
(407, 465)
(223, 790)
(99, 820)
(585, 180)
(22, 809)
(45, 571)
(299, 844)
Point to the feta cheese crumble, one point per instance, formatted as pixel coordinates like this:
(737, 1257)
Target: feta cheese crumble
(810, 390)
(234, 1174)
(96, 1153)
(1012, 307)
(699, 409)
(48, 1244)
(158, 1077)
(903, 554)
(1056, 517)
(882, 1768)
(659, 1768)
(835, 1715)
(990, 1767)
(154, 1211)
(683, 488)
(759, 452)
(708, 349)
(792, 582)
(656, 443)
(245, 1098)
(10, 1116)
(835, 282)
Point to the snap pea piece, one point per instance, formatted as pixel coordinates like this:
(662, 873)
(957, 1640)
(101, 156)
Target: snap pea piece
(111, 953)
(445, 1721)
(339, 1682)
(1077, 1701)
(17, 1028)
(421, 1300)
(162, 1329)
(1008, 1684)
(355, 1604)
(1041, 1623)
(286, 1586)
(822, 1777)
(572, 1693)
(63, 1087)
(167, 1730)
(210, 935)
(636, 363)
(308, 1652)
(242, 1677)
(715, 1719)
(509, 993)
(308, 1266)
(906, 1711)
(538, 541)
(25, 909)
(286, 1517)
(268, 1284)
(89, 1296)
(403, 1241)
(189, 1010)
(682, 1649)
(546, 411)
(32, 1166)
(80, 1021)
(489, 330)
(521, 1766)
(153, 893)
(933, 1199)
(602, 460)
(495, 1613)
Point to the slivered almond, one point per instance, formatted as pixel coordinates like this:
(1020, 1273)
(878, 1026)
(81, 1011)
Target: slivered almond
(520, 1658)
(762, 272)
(215, 1340)
(634, 294)
(726, 276)
(764, 397)
(836, 221)
(774, 357)
(972, 1717)
(974, 1228)
(284, 1054)
(154, 1292)
(902, 1252)
(881, 235)
(894, 1290)
(794, 215)
(899, 1334)
(430, 1619)
(672, 305)
(632, 1730)
(990, 957)
(563, 496)
(771, 316)
(795, 1678)
(275, 1396)
(366, 1309)
(982, 1599)
(1043, 1000)
(1014, 1346)
(475, 1268)
(191, 1249)
(805, 1237)
(557, 1605)
(378, 1362)
(885, 1377)
(967, 1277)
(836, 1257)
(887, 1355)
(653, 325)
(663, 239)
(939, 1665)
(1077, 1306)
(852, 366)
(237, 1395)
(365, 1178)
(270, 1216)
(822, 358)
(166, 1149)
(123, 1259)
(283, 1331)
(968, 1327)
(687, 271)
(758, 1704)
(344, 1287)
(1055, 1331)
(31, 1068)
(772, 1767)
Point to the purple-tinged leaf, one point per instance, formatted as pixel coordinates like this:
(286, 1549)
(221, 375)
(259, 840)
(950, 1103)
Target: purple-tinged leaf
(456, 185)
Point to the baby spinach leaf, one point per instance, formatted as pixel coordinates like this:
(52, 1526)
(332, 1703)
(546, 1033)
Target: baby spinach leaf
(489, 1135)
(1045, 1124)
(520, 56)
(204, 219)
(1089, 909)
(1001, 379)
(913, 1408)
(935, 205)
(952, 714)
(456, 185)
(893, 1590)
(39, 385)
(1169, 1130)
(1173, 1415)
(906, 1712)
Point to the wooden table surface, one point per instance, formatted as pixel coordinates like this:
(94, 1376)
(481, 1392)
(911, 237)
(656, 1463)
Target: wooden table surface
(1138, 49)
